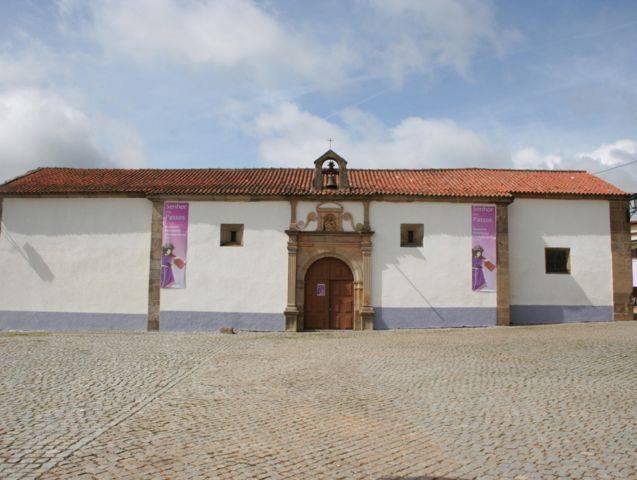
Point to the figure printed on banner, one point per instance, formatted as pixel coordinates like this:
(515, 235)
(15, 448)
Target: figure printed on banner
(168, 261)
(174, 248)
(483, 248)
(479, 261)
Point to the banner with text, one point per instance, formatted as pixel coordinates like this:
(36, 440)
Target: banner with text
(174, 245)
(483, 248)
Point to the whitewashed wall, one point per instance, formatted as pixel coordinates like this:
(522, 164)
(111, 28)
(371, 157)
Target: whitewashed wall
(428, 286)
(584, 227)
(243, 287)
(83, 264)
(62, 256)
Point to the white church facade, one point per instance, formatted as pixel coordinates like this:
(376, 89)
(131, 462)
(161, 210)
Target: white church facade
(304, 249)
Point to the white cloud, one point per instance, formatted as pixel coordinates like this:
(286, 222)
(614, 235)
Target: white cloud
(229, 35)
(20, 71)
(606, 155)
(225, 33)
(251, 42)
(621, 151)
(598, 160)
(613, 155)
(418, 35)
(288, 136)
(39, 128)
(530, 158)
(26, 61)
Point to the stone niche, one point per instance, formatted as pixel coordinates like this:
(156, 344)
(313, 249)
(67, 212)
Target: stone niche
(321, 234)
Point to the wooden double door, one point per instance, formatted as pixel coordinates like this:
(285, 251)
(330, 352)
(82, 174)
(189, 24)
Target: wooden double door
(329, 295)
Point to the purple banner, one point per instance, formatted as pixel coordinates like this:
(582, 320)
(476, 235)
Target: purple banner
(483, 248)
(174, 245)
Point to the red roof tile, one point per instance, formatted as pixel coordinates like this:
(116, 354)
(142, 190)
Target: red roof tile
(462, 182)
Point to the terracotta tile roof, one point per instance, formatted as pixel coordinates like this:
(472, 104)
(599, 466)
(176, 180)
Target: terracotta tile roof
(461, 182)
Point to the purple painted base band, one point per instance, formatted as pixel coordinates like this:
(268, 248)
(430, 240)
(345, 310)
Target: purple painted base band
(179, 321)
(544, 314)
(395, 317)
(385, 318)
(71, 321)
(168, 321)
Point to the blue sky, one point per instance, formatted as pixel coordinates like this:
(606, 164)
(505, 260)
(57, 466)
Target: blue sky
(401, 84)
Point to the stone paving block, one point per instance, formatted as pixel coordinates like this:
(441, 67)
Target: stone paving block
(502, 403)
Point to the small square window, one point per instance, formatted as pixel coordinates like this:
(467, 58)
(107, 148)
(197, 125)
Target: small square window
(558, 260)
(411, 234)
(231, 235)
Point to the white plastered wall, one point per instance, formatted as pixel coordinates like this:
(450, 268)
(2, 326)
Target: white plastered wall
(581, 225)
(438, 274)
(250, 278)
(75, 255)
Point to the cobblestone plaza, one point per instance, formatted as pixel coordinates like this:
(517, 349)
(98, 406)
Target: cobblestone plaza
(506, 402)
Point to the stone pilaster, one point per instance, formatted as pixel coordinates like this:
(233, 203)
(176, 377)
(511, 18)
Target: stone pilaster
(293, 204)
(154, 289)
(291, 310)
(621, 259)
(502, 263)
(367, 311)
(366, 224)
(0, 214)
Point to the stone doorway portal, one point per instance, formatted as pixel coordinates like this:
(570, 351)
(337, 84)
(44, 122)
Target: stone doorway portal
(353, 249)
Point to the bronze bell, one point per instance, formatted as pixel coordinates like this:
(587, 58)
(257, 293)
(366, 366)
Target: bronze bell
(331, 177)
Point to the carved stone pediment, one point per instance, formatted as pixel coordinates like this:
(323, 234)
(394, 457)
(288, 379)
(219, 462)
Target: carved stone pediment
(328, 217)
